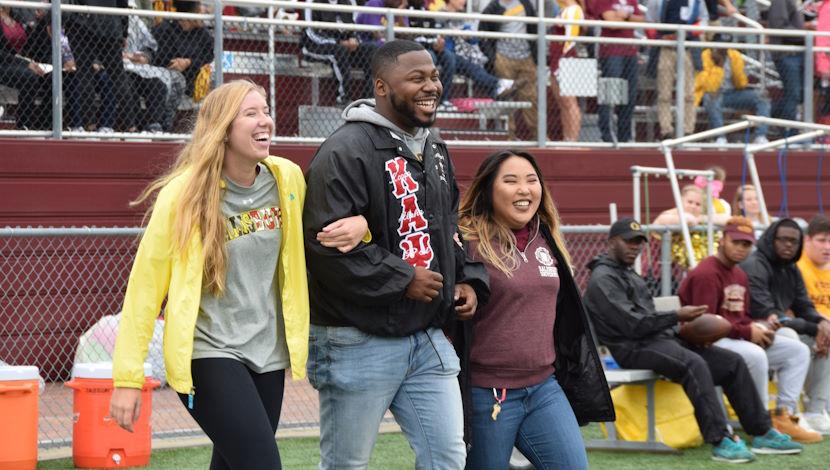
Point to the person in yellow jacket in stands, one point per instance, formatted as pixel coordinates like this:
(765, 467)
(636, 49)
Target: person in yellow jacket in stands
(723, 83)
(224, 247)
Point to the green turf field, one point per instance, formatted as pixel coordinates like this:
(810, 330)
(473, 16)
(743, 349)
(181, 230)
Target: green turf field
(392, 452)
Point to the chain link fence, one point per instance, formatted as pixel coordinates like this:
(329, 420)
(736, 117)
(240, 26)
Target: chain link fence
(144, 70)
(61, 291)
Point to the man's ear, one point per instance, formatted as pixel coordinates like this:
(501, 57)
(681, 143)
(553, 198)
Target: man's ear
(380, 87)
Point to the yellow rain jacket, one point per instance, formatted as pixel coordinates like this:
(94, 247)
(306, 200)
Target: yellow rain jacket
(158, 273)
(710, 78)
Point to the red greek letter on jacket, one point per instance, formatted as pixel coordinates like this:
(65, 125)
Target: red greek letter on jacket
(412, 219)
(417, 250)
(402, 181)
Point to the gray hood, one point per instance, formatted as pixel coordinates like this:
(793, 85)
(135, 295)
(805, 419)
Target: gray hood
(364, 111)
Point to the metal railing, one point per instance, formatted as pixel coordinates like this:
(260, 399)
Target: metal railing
(230, 44)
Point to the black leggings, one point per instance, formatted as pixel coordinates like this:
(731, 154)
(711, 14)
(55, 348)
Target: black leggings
(239, 410)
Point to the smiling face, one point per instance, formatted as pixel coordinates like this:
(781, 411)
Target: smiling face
(517, 193)
(407, 92)
(249, 136)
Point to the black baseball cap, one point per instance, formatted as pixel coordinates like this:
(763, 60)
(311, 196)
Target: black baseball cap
(628, 229)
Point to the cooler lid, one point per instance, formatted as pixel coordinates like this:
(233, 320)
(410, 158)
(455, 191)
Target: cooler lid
(19, 373)
(101, 370)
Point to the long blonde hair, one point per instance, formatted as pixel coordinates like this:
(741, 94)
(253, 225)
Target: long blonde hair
(199, 205)
(477, 222)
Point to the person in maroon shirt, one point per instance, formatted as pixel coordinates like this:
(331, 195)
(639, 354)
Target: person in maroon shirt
(720, 284)
(533, 372)
(618, 61)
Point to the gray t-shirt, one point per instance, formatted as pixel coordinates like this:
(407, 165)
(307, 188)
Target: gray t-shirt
(513, 48)
(246, 323)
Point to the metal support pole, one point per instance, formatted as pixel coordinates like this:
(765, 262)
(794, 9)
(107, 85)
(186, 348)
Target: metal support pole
(635, 180)
(678, 202)
(541, 79)
(665, 263)
(710, 214)
(57, 76)
(218, 37)
(272, 70)
(612, 212)
(809, 41)
(390, 29)
(680, 86)
(756, 181)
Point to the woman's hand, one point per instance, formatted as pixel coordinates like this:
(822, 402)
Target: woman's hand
(343, 234)
(125, 406)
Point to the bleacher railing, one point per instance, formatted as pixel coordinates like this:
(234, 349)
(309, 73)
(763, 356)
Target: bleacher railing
(589, 102)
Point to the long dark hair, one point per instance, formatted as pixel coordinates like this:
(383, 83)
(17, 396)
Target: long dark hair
(477, 222)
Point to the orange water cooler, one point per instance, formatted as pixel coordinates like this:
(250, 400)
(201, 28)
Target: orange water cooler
(18, 417)
(97, 440)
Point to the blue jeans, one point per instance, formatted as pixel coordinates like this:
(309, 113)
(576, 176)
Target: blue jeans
(538, 420)
(746, 99)
(791, 70)
(446, 62)
(619, 67)
(477, 74)
(359, 376)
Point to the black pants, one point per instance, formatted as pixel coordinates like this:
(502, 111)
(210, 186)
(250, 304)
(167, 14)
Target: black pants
(155, 100)
(342, 62)
(239, 410)
(699, 370)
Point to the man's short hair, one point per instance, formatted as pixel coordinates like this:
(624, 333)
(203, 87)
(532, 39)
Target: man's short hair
(187, 6)
(388, 54)
(819, 224)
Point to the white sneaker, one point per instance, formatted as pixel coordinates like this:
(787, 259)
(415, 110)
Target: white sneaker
(818, 422)
(721, 140)
(761, 139)
(504, 85)
(77, 129)
(105, 130)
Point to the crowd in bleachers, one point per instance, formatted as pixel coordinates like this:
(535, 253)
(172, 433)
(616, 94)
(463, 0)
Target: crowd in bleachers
(138, 84)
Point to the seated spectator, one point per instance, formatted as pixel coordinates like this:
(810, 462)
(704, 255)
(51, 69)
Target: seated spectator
(675, 12)
(470, 60)
(778, 294)
(723, 83)
(514, 59)
(787, 14)
(23, 74)
(618, 61)
(640, 337)
(746, 203)
(97, 41)
(374, 19)
(161, 88)
(693, 209)
(814, 266)
(722, 210)
(340, 48)
(184, 46)
(723, 287)
(569, 113)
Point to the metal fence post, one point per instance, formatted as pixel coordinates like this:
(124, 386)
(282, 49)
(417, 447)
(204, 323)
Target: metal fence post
(680, 87)
(809, 42)
(541, 80)
(390, 27)
(57, 76)
(272, 79)
(665, 263)
(218, 37)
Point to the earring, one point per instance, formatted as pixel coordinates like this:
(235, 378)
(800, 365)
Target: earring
(225, 140)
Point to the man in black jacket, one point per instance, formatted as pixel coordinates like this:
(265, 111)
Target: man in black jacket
(339, 47)
(639, 337)
(377, 311)
(778, 295)
(184, 46)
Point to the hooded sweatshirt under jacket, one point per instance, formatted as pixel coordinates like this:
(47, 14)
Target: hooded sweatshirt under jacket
(405, 187)
(776, 286)
(622, 309)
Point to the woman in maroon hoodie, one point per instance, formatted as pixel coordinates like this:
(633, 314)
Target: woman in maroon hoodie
(533, 372)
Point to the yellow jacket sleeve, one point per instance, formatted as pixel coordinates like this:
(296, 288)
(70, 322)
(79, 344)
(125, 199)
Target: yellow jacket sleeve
(739, 79)
(709, 79)
(146, 290)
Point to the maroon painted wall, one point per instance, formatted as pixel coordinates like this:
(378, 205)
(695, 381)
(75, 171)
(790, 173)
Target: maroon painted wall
(86, 183)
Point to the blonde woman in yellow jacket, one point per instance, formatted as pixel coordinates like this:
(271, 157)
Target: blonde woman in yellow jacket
(723, 83)
(224, 247)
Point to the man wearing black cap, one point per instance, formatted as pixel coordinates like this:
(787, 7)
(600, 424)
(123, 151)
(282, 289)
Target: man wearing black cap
(639, 337)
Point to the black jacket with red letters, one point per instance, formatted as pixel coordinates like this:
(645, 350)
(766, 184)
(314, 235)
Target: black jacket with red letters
(411, 208)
